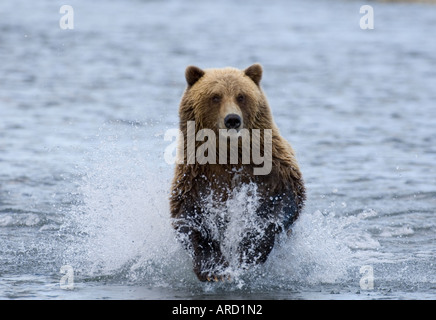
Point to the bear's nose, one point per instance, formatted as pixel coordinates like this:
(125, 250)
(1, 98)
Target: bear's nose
(232, 121)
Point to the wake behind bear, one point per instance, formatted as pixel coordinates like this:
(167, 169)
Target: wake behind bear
(231, 145)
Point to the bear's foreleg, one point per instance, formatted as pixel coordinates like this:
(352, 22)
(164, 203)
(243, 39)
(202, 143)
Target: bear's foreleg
(209, 263)
(276, 214)
(257, 244)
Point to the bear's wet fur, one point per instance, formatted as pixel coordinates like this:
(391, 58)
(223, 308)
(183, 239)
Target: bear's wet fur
(210, 96)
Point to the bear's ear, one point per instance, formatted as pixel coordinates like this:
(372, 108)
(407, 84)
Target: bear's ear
(193, 74)
(254, 72)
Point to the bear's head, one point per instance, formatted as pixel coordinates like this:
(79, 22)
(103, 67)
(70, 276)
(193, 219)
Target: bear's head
(226, 98)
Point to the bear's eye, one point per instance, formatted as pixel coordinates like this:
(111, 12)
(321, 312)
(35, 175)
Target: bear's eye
(216, 98)
(240, 98)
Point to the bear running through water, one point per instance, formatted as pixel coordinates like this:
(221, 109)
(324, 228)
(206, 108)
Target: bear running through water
(231, 99)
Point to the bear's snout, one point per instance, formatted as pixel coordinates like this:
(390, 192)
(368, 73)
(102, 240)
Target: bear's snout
(232, 121)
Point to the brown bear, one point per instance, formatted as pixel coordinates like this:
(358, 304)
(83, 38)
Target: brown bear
(230, 99)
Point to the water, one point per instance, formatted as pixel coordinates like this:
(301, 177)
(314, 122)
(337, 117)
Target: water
(83, 181)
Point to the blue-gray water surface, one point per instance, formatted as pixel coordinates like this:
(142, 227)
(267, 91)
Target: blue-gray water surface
(83, 116)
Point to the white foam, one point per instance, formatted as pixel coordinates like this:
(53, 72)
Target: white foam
(123, 222)
(397, 231)
(19, 219)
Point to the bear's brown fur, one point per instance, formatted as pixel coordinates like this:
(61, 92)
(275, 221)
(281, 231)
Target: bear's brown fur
(210, 95)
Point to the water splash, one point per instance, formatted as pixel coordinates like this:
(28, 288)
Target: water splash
(121, 227)
(121, 230)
